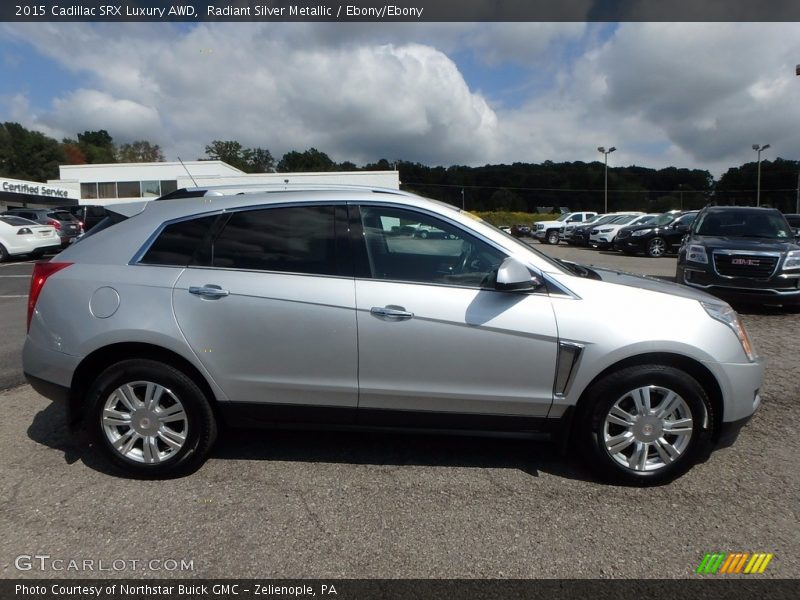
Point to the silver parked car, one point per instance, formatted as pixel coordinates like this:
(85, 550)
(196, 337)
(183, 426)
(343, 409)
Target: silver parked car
(304, 306)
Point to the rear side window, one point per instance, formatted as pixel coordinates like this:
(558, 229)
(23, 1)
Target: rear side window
(62, 215)
(178, 242)
(298, 239)
(11, 220)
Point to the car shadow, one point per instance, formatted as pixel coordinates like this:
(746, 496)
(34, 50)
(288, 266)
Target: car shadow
(49, 428)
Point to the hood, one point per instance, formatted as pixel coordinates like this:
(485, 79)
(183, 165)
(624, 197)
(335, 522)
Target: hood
(745, 244)
(653, 284)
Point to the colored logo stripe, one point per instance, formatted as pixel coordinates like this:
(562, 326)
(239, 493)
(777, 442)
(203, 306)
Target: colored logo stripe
(736, 562)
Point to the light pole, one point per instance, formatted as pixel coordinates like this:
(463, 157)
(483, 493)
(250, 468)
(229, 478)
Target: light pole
(759, 149)
(605, 154)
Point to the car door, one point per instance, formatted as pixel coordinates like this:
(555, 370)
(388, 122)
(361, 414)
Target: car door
(434, 337)
(269, 309)
(678, 229)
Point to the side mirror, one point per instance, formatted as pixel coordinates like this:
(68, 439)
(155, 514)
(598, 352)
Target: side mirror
(513, 276)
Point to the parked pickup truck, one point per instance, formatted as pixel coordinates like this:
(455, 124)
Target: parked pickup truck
(547, 231)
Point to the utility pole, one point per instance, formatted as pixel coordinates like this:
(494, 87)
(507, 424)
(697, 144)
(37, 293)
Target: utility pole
(759, 149)
(463, 206)
(605, 154)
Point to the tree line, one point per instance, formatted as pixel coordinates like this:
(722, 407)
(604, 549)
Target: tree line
(523, 187)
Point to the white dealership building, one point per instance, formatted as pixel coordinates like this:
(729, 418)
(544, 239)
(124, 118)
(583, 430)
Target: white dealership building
(105, 184)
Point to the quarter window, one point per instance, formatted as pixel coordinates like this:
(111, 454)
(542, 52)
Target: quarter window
(403, 245)
(178, 242)
(291, 239)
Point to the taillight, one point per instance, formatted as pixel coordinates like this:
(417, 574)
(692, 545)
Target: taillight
(54, 223)
(41, 271)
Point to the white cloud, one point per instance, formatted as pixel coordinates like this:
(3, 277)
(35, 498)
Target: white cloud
(693, 95)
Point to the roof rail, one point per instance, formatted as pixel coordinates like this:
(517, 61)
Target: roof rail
(252, 188)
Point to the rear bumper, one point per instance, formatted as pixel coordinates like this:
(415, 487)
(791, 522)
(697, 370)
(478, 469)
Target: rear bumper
(48, 389)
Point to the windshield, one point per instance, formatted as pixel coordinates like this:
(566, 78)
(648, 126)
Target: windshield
(625, 219)
(743, 223)
(519, 243)
(664, 219)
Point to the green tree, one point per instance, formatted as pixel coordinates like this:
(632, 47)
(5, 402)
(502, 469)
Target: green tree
(259, 160)
(97, 146)
(26, 154)
(229, 151)
(303, 162)
(140, 151)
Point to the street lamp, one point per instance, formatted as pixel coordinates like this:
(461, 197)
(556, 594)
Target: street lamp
(605, 154)
(759, 149)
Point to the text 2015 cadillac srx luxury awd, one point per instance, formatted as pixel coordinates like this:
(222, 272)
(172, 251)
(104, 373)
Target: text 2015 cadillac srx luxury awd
(316, 306)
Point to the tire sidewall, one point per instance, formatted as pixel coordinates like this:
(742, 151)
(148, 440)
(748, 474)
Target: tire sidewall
(190, 396)
(606, 392)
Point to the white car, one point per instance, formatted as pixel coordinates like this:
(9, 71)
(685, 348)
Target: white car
(603, 236)
(20, 236)
(548, 232)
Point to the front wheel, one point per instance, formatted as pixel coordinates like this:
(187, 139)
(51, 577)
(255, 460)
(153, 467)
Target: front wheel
(151, 419)
(645, 424)
(552, 237)
(657, 247)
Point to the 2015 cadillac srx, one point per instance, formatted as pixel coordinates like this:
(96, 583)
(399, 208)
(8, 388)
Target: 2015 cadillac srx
(315, 306)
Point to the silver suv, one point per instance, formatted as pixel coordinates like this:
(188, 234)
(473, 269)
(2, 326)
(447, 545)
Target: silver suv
(308, 307)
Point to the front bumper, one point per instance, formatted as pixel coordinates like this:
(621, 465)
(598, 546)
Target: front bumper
(630, 244)
(776, 290)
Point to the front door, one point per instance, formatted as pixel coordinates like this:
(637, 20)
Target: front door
(434, 335)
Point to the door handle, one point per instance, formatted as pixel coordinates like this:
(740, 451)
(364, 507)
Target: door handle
(208, 291)
(390, 312)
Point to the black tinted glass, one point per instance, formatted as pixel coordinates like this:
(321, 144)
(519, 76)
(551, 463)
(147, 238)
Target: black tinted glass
(178, 242)
(11, 220)
(294, 240)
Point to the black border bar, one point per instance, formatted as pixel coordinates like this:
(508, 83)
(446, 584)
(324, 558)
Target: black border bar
(393, 11)
(712, 587)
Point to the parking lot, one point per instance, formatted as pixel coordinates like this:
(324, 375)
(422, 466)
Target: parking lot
(326, 505)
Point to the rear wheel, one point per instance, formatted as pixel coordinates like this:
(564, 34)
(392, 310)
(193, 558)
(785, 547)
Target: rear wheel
(151, 419)
(645, 424)
(552, 237)
(656, 247)
(3, 253)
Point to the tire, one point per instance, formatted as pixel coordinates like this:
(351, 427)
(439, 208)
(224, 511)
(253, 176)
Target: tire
(3, 253)
(626, 443)
(171, 438)
(552, 237)
(423, 235)
(656, 247)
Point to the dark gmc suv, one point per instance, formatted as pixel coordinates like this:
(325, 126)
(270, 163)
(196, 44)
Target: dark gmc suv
(742, 254)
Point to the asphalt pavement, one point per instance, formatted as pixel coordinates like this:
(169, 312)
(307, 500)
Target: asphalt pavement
(335, 505)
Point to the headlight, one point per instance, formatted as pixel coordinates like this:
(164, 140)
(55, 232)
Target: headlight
(606, 230)
(639, 232)
(792, 260)
(697, 254)
(24, 231)
(725, 314)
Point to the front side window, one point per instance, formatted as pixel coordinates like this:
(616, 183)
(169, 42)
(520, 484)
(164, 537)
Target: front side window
(404, 245)
(299, 239)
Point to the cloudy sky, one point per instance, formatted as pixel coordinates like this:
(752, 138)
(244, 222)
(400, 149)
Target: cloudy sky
(684, 94)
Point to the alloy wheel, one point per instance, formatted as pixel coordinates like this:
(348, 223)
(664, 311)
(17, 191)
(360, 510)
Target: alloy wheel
(144, 422)
(647, 429)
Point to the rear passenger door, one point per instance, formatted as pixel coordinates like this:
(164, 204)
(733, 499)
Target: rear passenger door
(268, 307)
